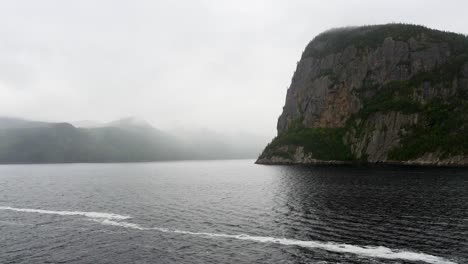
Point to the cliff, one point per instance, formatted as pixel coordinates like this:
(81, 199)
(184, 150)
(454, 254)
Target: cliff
(377, 94)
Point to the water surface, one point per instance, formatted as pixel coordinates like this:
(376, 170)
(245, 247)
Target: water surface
(231, 212)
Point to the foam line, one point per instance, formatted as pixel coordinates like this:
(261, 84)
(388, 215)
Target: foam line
(365, 251)
(94, 215)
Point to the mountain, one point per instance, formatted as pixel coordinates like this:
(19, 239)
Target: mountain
(128, 122)
(124, 140)
(390, 93)
(86, 124)
(8, 122)
(40, 142)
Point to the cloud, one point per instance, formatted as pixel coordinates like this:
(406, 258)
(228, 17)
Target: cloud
(223, 65)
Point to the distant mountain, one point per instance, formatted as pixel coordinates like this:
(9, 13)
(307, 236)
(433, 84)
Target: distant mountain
(8, 122)
(87, 124)
(130, 122)
(124, 140)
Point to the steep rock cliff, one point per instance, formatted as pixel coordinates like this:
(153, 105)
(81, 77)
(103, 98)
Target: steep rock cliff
(379, 94)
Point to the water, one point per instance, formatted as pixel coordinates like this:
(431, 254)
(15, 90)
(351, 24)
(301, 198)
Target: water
(231, 212)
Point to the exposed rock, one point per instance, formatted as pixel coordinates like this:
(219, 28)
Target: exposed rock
(380, 84)
(299, 157)
(381, 135)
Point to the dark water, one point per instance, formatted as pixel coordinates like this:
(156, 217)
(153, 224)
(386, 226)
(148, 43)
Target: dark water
(231, 212)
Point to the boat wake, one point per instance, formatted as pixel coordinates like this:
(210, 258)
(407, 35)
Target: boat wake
(94, 215)
(364, 251)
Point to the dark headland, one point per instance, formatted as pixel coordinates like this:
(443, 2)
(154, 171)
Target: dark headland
(386, 94)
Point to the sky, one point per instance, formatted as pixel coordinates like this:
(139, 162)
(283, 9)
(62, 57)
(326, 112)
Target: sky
(219, 65)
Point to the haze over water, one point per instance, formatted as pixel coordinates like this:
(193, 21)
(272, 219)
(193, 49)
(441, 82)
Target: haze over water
(231, 212)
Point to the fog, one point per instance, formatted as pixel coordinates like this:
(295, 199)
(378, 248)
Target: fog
(219, 65)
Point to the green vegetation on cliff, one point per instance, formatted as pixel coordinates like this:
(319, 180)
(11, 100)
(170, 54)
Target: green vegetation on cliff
(443, 126)
(443, 130)
(402, 96)
(321, 143)
(439, 131)
(336, 40)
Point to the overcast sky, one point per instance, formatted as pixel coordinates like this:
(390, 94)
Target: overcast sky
(222, 65)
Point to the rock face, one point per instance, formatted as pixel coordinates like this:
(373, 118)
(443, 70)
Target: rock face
(379, 94)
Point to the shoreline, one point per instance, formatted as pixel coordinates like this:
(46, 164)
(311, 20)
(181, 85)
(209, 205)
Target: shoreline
(421, 164)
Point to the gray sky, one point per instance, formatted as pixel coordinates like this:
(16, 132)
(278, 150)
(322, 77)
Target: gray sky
(222, 65)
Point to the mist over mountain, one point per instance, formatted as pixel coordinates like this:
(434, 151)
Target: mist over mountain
(210, 144)
(87, 124)
(125, 140)
(8, 122)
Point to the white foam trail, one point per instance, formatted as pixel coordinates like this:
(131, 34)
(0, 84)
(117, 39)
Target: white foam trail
(365, 251)
(68, 213)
